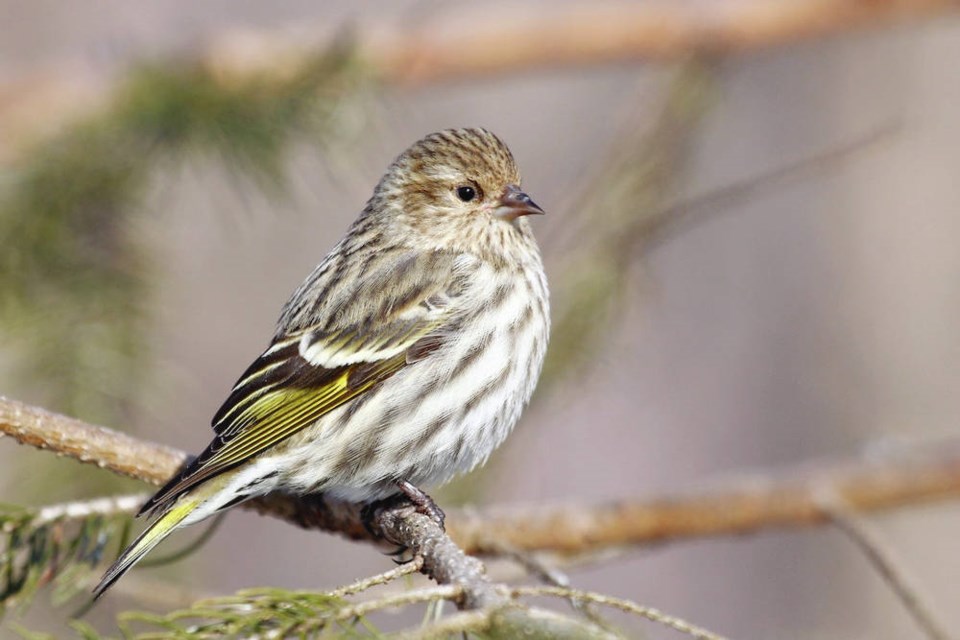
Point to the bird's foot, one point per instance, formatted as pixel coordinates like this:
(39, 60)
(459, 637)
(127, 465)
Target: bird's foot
(409, 495)
(371, 515)
(372, 511)
(423, 503)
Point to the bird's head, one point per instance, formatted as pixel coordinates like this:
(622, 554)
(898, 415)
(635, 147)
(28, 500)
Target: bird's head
(459, 188)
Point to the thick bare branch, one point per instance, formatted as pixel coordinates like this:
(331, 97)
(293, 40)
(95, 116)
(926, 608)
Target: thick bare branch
(106, 448)
(443, 560)
(762, 502)
(785, 500)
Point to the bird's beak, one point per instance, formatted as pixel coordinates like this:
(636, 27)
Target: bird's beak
(514, 203)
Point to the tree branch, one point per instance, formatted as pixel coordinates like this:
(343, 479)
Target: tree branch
(786, 500)
(437, 49)
(106, 448)
(443, 560)
(624, 605)
(601, 33)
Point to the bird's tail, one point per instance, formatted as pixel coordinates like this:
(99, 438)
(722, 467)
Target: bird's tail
(199, 502)
(151, 537)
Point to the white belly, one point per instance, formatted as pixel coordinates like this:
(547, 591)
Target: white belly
(435, 418)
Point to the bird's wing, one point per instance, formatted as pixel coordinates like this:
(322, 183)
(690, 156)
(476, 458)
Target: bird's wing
(306, 374)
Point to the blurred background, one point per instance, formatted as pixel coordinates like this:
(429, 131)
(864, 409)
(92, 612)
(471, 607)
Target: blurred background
(753, 260)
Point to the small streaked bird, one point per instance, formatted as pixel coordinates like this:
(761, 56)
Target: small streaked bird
(404, 359)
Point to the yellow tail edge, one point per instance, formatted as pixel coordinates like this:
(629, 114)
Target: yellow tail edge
(151, 537)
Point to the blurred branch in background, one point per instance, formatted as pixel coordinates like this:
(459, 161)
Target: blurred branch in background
(571, 35)
(438, 48)
(632, 207)
(685, 214)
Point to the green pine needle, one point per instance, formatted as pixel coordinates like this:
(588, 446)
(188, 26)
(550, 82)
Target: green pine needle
(73, 274)
(64, 552)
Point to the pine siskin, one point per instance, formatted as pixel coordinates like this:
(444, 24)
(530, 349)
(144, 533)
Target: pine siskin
(404, 359)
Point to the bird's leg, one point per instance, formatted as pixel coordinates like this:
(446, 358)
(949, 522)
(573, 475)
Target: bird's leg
(409, 494)
(422, 502)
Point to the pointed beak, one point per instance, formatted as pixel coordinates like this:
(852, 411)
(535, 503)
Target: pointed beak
(514, 203)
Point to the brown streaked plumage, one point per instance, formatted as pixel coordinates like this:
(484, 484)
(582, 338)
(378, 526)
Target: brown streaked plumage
(405, 358)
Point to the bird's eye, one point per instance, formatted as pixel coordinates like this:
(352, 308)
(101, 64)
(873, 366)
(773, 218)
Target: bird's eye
(466, 193)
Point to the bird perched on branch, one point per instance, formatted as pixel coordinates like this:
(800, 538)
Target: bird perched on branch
(404, 359)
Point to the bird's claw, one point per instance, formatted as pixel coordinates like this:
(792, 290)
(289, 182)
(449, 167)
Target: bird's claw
(424, 503)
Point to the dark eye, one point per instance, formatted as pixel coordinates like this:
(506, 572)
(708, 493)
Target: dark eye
(466, 193)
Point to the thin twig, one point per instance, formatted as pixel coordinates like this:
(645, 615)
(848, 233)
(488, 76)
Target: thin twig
(531, 563)
(624, 605)
(387, 576)
(427, 594)
(509, 571)
(890, 569)
(81, 509)
(544, 572)
(672, 220)
(550, 575)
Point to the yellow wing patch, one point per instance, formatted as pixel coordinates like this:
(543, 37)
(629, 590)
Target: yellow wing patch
(307, 374)
(271, 418)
